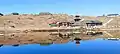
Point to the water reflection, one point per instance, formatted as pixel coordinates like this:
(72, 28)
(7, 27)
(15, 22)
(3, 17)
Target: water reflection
(15, 45)
(45, 44)
(77, 41)
(49, 38)
(94, 33)
(1, 45)
(112, 39)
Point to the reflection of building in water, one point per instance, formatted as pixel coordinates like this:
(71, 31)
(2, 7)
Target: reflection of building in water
(48, 39)
(65, 35)
(94, 33)
(77, 41)
(73, 36)
(59, 38)
(62, 35)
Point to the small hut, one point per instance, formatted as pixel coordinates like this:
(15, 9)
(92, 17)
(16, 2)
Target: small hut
(52, 22)
(63, 23)
(90, 23)
(93, 34)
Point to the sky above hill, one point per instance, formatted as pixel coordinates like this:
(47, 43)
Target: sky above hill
(83, 7)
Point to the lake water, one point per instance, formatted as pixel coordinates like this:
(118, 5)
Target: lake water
(97, 46)
(87, 45)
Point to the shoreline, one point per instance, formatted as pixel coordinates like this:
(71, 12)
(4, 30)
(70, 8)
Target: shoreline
(52, 29)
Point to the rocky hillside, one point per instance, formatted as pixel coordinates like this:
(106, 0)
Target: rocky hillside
(25, 21)
(41, 20)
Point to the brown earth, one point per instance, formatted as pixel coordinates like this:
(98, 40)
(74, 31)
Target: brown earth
(30, 21)
(41, 21)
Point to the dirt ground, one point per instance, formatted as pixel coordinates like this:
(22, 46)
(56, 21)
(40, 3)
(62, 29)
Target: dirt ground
(29, 21)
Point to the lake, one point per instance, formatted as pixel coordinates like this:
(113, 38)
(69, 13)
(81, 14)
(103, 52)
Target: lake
(62, 44)
(97, 46)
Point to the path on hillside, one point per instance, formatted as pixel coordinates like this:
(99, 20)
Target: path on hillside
(107, 22)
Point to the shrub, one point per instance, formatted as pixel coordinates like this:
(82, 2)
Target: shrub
(1, 14)
(15, 13)
(45, 13)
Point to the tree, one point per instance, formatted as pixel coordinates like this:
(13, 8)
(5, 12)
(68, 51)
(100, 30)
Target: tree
(45, 13)
(15, 13)
(1, 14)
(103, 14)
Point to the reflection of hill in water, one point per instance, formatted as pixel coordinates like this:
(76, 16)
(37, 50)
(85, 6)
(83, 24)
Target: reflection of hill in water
(47, 38)
(115, 33)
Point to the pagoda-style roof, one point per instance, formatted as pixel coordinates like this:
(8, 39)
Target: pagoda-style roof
(93, 21)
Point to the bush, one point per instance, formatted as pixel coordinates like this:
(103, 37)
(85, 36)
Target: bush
(15, 13)
(45, 13)
(1, 14)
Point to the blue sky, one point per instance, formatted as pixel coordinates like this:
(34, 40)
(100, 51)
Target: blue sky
(83, 7)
